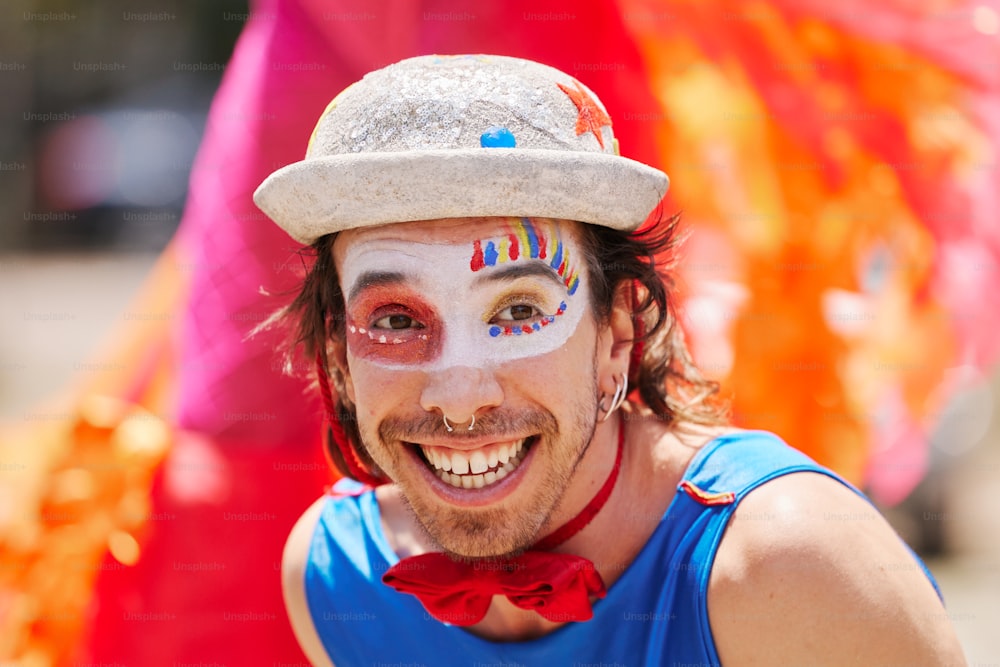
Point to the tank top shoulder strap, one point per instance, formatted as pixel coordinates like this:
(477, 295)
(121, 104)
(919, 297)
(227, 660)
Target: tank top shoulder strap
(345, 486)
(731, 466)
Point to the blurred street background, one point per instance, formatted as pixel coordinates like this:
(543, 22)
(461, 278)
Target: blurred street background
(102, 108)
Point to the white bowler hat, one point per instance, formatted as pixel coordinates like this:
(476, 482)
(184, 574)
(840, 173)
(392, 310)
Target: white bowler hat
(460, 136)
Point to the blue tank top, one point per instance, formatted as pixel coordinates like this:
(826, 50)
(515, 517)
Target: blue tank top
(654, 614)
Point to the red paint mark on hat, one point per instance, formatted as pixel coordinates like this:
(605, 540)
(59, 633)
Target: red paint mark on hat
(590, 118)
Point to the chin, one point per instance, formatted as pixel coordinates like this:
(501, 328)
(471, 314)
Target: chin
(493, 532)
(480, 545)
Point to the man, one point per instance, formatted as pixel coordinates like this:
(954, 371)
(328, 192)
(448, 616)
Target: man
(483, 309)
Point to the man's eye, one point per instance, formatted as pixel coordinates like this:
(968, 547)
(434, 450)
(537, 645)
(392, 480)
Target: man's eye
(395, 322)
(517, 312)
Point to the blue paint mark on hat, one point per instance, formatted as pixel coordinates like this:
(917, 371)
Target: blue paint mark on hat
(497, 137)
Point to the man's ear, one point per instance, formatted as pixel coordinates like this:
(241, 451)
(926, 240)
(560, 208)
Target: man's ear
(616, 339)
(336, 354)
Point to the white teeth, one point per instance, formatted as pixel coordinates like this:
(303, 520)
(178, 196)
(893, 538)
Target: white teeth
(474, 470)
(459, 464)
(477, 463)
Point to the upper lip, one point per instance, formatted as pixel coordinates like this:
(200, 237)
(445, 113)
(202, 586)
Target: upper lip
(465, 445)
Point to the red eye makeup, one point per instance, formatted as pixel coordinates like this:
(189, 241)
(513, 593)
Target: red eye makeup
(393, 325)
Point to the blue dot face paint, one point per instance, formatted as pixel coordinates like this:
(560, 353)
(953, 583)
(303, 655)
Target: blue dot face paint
(510, 292)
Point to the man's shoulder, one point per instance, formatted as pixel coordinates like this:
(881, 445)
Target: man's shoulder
(809, 572)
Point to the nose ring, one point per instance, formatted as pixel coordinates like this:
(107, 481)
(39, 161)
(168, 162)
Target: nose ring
(451, 428)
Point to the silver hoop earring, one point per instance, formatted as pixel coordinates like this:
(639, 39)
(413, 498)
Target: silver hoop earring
(451, 428)
(621, 391)
(624, 395)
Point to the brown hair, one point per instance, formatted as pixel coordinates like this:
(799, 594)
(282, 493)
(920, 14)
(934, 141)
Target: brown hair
(667, 381)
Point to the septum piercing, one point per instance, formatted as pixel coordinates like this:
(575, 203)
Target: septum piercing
(451, 428)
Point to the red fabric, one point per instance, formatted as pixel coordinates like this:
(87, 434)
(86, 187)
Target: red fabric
(336, 430)
(207, 588)
(556, 586)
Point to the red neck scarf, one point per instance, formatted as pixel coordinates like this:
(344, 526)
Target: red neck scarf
(556, 586)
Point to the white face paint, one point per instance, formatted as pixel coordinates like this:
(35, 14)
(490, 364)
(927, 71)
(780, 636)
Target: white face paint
(479, 302)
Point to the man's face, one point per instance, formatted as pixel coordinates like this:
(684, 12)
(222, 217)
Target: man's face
(484, 317)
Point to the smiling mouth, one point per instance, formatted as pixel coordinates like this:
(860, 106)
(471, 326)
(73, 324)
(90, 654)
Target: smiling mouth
(478, 468)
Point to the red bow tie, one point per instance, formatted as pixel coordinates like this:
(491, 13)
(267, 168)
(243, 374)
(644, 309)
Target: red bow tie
(556, 586)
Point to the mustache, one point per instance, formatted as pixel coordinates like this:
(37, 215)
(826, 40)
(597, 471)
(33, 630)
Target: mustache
(501, 424)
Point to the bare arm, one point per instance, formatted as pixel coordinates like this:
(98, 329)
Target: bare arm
(808, 573)
(293, 584)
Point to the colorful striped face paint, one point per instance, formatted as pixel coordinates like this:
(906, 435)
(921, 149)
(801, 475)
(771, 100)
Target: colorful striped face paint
(434, 301)
(528, 241)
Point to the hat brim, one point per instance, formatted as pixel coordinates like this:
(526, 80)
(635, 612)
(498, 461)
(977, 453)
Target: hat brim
(318, 196)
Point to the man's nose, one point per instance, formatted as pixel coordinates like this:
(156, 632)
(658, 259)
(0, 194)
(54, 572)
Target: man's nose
(460, 392)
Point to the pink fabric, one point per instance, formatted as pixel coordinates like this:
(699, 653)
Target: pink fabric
(230, 387)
